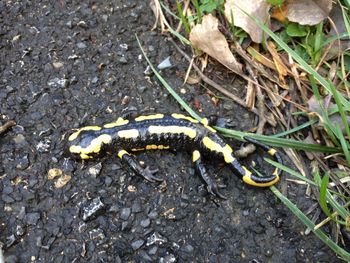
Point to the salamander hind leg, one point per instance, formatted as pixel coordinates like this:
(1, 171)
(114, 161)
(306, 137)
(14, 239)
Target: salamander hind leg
(145, 173)
(200, 168)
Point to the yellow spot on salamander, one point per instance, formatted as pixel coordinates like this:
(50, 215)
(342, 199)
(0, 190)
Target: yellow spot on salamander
(156, 147)
(87, 128)
(128, 134)
(150, 117)
(180, 116)
(122, 153)
(173, 129)
(272, 151)
(214, 146)
(205, 123)
(94, 146)
(195, 155)
(118, 122)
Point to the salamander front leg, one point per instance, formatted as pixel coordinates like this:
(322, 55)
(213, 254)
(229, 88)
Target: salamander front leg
(200, 168)
(146, 173)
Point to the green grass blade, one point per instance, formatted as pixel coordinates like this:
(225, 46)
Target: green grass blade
(198, 11)
(323, 196)
(343, 143)
(183, 18)
(280, 142)
(290, 171)
(323, 199)
(298, 128)
(346, 19)
(318, 232)
(340, 209)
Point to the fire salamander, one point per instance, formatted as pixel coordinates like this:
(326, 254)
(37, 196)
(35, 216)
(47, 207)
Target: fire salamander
(160, 131)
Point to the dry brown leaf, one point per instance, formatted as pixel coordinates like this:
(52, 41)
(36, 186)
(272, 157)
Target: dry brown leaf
(250, 98)
(62, 181)
(308, 12)
(158, 13)
(193, 79)
(281, 68)
(208, 38)
(258, 9)
(53, 173)
(279, 12)
(334, 119)
(261, 58)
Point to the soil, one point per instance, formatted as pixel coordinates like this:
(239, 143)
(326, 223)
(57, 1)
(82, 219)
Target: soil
(66, 64)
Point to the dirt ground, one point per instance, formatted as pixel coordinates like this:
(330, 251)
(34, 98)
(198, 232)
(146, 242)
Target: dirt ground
(65, 64)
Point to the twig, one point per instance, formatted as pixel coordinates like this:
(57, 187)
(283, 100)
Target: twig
(7, 126)
(261, 107)
(218, 87)
(188, 70)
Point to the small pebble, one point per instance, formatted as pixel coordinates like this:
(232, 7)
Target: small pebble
(153, 215)
(164, 64)
(22, 162)
(145, 223)
(19, 230)
(108, 181)
(123, 60)
(32, 218)
(57, 65)
(188, 248)
(105, 18)
(95, 170)
(136, 207)
(53, 173)
(170, 258)
(125, 226)
(137, 244)
(95, 206)
(141, 89)
(125, 213)
(153, 250)
(81, 45)
(69, 24)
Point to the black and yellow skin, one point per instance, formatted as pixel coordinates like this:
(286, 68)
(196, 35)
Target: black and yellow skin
(159, 131)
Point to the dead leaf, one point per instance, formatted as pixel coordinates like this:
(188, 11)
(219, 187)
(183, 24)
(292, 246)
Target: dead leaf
(53, 173)
(260, 58)
(338, 27)
(334, 119)
(281, 68)
(259, 9)
(250, 97)
(308, 12)
(208, 38)
(279, 12)
(62, 181)
(193, 79)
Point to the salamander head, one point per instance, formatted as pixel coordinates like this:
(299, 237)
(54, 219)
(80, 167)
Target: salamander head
(87, 142)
